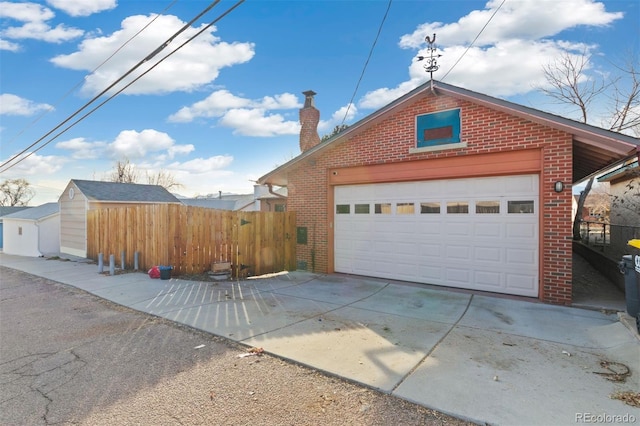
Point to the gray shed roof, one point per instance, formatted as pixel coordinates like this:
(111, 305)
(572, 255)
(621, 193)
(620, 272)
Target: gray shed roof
(125, 192)
(35, 213)
(7, 210)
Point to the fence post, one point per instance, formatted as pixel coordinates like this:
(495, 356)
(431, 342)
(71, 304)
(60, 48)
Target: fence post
(135, 260)
(100, 263)
(112, 264)
(122, 253)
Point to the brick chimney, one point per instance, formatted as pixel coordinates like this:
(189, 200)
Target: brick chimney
(309, 118)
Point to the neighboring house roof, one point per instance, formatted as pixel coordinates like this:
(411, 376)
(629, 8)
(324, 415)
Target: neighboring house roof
(210, 203)
(115, 191)
(594, 148)
(35, 213)
(243, 201)
(628, 171)
(225, 202)
(7, 210)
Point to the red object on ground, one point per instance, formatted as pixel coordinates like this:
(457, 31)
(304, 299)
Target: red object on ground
(154, 272)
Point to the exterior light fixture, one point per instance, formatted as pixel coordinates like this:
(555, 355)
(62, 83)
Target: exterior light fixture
(558, 186)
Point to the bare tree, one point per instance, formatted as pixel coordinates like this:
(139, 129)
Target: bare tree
(627, 202)
(164, 179)
(16, 192)
(625, 98)
(568, 84)
(126, 172)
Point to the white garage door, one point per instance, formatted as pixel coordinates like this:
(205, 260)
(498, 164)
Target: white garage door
(479, 233)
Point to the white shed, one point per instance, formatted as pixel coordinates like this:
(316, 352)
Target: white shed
(32, 232)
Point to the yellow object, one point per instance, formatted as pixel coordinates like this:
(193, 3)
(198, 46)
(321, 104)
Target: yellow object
(634, 243)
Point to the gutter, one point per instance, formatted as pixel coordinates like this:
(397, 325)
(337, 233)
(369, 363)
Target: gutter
(270, 186)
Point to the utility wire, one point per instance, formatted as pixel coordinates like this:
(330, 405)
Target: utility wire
(474, 40)
(123, 88)
(39, 117)
(131, 70)
(367, 62)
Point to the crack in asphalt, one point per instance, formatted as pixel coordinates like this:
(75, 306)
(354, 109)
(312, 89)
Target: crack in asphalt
(45, 372)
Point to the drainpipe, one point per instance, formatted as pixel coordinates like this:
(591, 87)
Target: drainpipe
(37, 223)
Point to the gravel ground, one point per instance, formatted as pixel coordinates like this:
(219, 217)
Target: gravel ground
(67, 357)
(262, 390)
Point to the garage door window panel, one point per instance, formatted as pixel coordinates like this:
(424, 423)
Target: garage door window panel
(343, 208)
(382, 208)
(361, 209)
(429, 208)
(520, 206)
(488, 207)
(455, 207)
(405, 208)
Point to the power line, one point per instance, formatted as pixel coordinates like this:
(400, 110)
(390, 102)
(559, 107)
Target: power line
(131, 70)
(122, 89)
(367, 62)
(39, 117)
(474, 40)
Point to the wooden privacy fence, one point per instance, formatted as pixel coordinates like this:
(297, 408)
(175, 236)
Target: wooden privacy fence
(191, 238)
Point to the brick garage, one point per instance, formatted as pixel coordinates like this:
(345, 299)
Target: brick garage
(435, 137)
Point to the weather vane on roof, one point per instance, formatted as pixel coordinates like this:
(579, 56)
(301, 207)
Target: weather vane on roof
(432, 60)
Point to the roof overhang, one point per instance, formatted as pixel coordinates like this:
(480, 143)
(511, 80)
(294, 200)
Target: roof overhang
(594, 148)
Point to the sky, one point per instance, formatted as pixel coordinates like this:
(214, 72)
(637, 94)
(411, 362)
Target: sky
(222, 109)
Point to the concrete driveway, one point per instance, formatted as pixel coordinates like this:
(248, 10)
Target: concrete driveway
(479, 357)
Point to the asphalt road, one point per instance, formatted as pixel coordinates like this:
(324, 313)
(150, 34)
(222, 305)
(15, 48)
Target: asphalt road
(65, 353)
(67, 357)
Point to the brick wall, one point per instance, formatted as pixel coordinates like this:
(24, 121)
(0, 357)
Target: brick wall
(484, 131)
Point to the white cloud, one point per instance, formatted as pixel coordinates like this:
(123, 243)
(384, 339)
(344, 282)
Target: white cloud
(138, 145)
(148, 145)
(214, 105)
(35, 165)
(42, 31)
(521, 60)
(8, 45)
(246, 116)
(35, 26)
(202, 165)
(15, 105)
(283, 101)
(25, 12)
(254, 122)
(82, 7)
(83, 149)
(337, 118)
(523, 19)
(194, 65)
(515, 44)
(381, 97)
(218, 103)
